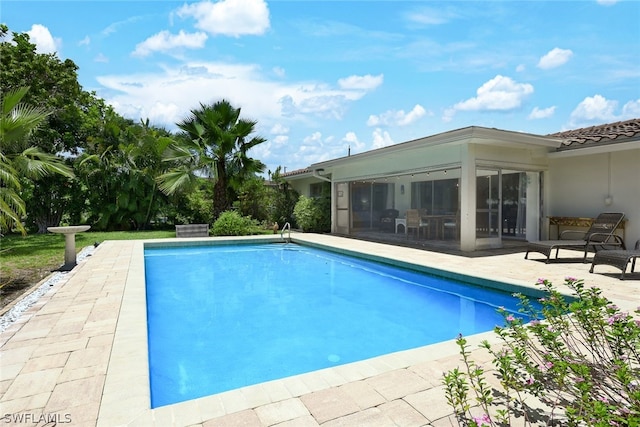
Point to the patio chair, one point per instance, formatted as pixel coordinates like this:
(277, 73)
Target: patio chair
(600, 234)
(617, 258)
(415, 222)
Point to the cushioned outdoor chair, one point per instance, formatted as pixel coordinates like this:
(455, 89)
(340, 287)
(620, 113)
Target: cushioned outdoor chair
(415, 222)
(601, 234)
(617, 258)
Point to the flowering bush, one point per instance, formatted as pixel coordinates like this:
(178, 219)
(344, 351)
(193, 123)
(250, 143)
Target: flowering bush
(577, 362)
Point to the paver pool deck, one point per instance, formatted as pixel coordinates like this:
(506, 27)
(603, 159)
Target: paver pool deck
(79, 355)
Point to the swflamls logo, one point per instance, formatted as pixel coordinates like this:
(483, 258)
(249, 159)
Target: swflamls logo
(40, 420)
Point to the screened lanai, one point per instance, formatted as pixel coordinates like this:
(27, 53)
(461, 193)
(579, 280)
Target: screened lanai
(471, 188)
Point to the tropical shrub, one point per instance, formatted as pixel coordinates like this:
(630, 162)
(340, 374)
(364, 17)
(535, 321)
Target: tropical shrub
(581, 368)
(231, 223)
(313, 214)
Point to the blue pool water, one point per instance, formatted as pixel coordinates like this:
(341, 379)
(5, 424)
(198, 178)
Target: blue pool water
(223, 317)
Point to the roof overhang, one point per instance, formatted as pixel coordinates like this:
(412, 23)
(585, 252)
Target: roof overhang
(595, 149)
(472, 134)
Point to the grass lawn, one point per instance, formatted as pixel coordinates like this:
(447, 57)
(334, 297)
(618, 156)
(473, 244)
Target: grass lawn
(27, 260)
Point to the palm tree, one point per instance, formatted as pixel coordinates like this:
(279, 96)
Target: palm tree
(18, 160)
(214, 144)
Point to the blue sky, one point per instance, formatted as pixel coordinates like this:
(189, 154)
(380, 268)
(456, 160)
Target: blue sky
(322, 77)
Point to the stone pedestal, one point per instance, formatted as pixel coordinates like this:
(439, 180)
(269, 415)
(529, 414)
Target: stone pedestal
(69, 243)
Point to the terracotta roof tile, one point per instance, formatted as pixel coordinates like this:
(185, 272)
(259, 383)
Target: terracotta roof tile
(599, 135)
(295, 172)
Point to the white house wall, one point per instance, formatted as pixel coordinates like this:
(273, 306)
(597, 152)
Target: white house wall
(580, 186)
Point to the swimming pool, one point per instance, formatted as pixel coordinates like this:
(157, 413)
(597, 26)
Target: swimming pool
(222, 317)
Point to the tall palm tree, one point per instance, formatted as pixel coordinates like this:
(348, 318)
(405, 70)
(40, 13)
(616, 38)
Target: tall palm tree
(214, 144)
(18, 160)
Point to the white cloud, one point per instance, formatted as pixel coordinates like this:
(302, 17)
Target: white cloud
(279, 71)
(279, 129)
(354, 144)
(607, 2)
(520, 68)
(101, 58)
(164, 41)
(430, 16)
(86, 41)
(367, 82)
(40, 36)
(595, 108)
(631, 109)
(244, 85)
(498, 94)
(555, 58)
(229, 17)
(538, 113)
(280, 140)
(397, 117)
(381, 139)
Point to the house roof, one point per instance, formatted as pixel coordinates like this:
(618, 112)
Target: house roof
(609, 133)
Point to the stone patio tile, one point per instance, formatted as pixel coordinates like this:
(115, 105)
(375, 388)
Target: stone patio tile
(429, 371)
(431, 403)
(255, 396)
(403, 414)
(314, 381)
(448, 421)
(33, 383)
(363, 394)
(45, 362)
(94, 356)
(61, 347)
(80, 392)
(69, 327)
(233, 401)
(246, 418)
(371, 417)
(279, 412)
(348, 372)
(397, 384)
(295, 386)
(306, 421)
(186, 413)
(32, 330)
(82, 414)
(55, 339)
(329, 404)
(210, 407)
(9, 372)
(4, 386)
(101, 340)
(25, 404)
(69, 374)
(276, 391)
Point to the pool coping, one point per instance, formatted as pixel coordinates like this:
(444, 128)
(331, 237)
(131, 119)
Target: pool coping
(126, 394)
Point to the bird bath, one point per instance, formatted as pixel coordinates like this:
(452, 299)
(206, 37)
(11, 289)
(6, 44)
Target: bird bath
(69, 243)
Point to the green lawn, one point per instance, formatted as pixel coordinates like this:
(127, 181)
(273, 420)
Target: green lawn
(27, 260)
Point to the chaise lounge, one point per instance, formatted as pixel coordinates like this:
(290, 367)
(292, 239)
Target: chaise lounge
(617, 258)
(600, 235)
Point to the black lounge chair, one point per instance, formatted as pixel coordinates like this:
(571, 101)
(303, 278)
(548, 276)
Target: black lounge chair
(618, 258)
(600, 234)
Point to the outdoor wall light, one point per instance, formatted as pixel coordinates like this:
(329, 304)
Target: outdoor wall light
(608, 200)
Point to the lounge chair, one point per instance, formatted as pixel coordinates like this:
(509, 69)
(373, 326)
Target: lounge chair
(618, 258)
(600, 234)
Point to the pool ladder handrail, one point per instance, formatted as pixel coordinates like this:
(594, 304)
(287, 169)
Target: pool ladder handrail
(286, 226)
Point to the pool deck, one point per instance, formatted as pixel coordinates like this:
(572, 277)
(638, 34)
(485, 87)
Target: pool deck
(79, 354)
